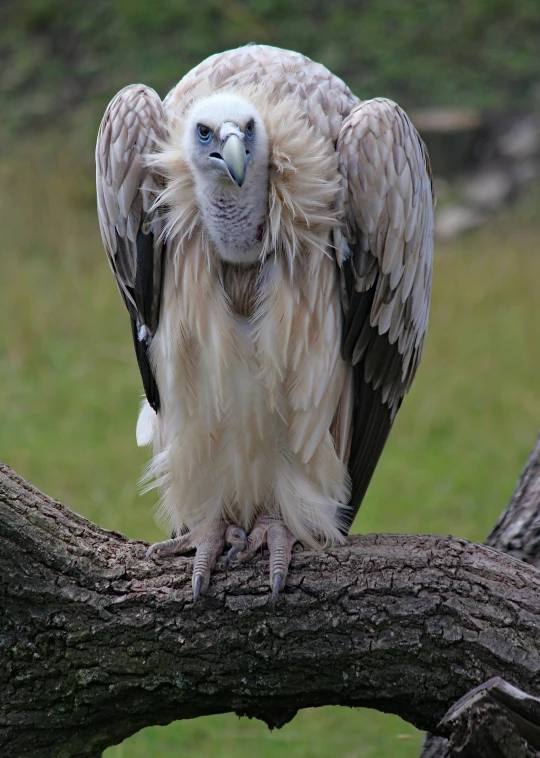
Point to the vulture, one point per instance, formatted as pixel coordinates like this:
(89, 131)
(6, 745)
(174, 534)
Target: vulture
(271, 236)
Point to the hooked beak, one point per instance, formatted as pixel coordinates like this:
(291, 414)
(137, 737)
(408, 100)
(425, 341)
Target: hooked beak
(234, 155)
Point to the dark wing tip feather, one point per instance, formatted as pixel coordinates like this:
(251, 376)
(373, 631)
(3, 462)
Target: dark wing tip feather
(372, 424)
(145, 367)
(372, 417)
(145, 286)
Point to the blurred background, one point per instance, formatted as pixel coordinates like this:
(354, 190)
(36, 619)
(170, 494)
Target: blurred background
(469, 73)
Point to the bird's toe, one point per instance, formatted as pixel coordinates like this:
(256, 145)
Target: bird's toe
(208, 550)
(270, 531)
(174, 546)
(280, 542)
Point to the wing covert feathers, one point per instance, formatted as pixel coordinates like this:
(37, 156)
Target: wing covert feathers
(386, 272)
(133, 124)
(282, 74)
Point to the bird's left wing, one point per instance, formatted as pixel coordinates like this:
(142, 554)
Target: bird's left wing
(388, 201)
(133, 124)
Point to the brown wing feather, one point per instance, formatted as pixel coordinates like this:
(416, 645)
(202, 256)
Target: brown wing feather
(386, 275)
(132, 125)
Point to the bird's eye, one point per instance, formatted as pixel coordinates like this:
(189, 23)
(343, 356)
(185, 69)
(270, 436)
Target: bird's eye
(204, 132)
(250, 129)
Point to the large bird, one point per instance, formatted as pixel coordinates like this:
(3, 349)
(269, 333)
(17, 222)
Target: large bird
(271, 236)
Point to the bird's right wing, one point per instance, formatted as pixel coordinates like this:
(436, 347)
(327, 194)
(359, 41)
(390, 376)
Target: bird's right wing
(133, 124)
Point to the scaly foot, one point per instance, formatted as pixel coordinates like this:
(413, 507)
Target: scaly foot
(280, 541)
(208, 549)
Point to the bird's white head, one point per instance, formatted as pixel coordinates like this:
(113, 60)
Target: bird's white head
(226, 146)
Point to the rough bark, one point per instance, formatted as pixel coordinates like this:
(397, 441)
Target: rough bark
(97, 644)
(487, 731)
(517, 532)
(495, 720)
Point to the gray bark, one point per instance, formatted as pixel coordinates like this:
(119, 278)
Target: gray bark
(97, 644)
(517, 532)
(487, 731)
(495, 720)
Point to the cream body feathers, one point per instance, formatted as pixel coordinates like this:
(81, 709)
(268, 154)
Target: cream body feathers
(276, 267)
(248, 401)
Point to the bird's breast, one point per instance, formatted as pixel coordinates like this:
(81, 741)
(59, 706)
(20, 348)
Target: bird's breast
(241, 284)
(249, 392)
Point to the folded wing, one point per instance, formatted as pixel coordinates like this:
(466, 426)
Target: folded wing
(133, 124)
(386, 272)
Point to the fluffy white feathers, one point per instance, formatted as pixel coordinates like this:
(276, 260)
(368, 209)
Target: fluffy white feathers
(247, 403)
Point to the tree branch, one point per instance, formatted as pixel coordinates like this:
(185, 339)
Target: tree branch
(97, 643)
(517, 532)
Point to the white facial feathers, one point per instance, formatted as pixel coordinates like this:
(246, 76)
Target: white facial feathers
(226, 147)
(221, 107)
(290, 190)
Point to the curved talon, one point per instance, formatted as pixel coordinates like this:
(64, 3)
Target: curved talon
(239, 546)
(230, 555)
(276, 585)
(197, 584)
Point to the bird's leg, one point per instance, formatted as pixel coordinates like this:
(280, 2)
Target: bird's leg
(280, 541)
(207, 551)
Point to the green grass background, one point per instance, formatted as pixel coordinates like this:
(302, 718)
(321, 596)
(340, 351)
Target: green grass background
(59, 55)
(70, 391)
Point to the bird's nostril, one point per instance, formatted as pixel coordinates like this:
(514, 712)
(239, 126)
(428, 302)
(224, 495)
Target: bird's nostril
(215, 155)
